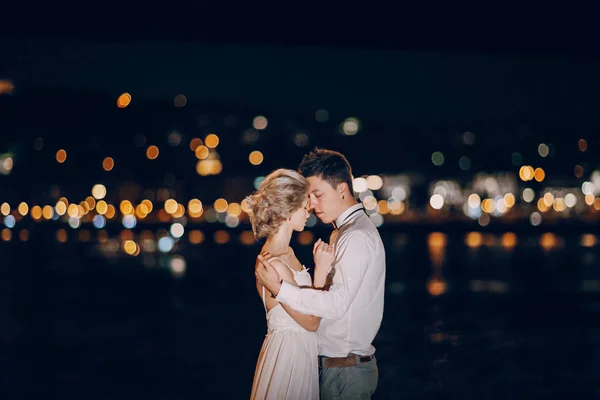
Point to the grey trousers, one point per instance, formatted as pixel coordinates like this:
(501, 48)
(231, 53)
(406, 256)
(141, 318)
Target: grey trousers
(357, 382)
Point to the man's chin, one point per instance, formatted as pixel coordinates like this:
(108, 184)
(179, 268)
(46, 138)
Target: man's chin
(324, 219)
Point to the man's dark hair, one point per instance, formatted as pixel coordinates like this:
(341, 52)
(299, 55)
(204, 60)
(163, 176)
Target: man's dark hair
(329, 165)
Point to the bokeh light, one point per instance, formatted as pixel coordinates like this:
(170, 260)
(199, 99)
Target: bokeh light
(350, 126)
(437, 158)
(256, 157)
(124, 100)
(180, 101)
(61, 156)
(152, 152)
(202, 152)
(259, 123)
(211, 141)
(23, 208)
(99, 191)
(108, 164)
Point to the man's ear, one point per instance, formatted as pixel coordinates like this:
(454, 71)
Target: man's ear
(343, 188)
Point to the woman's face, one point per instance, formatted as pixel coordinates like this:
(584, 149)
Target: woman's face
(299, 217)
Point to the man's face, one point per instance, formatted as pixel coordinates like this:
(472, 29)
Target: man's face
(324, 199)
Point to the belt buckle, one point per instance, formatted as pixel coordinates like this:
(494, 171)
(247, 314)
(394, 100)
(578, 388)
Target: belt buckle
(364, 359)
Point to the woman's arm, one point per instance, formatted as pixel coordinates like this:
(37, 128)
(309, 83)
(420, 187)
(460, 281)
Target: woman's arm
(309, 322)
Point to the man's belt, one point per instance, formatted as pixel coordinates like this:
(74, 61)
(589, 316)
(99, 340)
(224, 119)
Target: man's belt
(338, 362)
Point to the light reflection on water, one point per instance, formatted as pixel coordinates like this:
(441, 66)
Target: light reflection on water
(475, 315)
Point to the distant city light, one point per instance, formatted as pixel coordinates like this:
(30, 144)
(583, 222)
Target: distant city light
(436, 201)
(256, 157)
(61, 156)
(350, 126)
(322, 115)
(437, 158)
(124, 100)
(259, 123)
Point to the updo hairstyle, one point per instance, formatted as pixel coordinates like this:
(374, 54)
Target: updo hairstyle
(281, 194)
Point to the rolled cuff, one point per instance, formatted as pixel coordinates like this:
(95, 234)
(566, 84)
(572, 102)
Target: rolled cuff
(288, 293)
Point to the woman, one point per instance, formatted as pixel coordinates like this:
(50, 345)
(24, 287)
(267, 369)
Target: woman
(287, 367)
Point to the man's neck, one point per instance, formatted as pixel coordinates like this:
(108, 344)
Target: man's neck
(348, 206)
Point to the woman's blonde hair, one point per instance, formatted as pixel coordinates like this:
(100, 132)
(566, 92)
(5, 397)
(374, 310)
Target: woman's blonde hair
(281, 194)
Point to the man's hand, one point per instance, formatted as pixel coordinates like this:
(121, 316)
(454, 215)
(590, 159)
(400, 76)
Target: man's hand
(324, 256)
(266, 274)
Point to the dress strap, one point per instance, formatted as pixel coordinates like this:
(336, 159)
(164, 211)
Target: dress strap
(263, 288)
(263, 298)
(286, 264)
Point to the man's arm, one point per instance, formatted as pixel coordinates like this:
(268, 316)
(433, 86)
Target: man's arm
(308, 322)
(352, 262)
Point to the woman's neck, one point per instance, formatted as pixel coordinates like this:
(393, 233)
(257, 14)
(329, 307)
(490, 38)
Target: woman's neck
(279, 243)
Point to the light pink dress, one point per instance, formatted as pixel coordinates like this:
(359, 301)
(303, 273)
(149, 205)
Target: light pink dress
(287, 367)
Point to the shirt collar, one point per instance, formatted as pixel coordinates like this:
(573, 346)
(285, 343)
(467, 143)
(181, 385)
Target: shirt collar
(344, 217)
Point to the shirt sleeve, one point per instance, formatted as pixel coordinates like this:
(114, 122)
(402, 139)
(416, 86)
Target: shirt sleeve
(352, 261)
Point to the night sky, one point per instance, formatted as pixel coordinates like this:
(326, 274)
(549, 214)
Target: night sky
(386, 85)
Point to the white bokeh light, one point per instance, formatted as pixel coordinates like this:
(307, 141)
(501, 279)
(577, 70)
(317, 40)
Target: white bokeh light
(570, 200)
(165, 244)
(436, 201)
(178, 266)
(528, 195)
(535, 218)
(360, 185)
(177, 230)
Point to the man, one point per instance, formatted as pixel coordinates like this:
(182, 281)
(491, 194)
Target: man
(352, 308)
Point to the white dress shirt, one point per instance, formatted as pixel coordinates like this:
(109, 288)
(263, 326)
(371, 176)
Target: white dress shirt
(352, 309)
